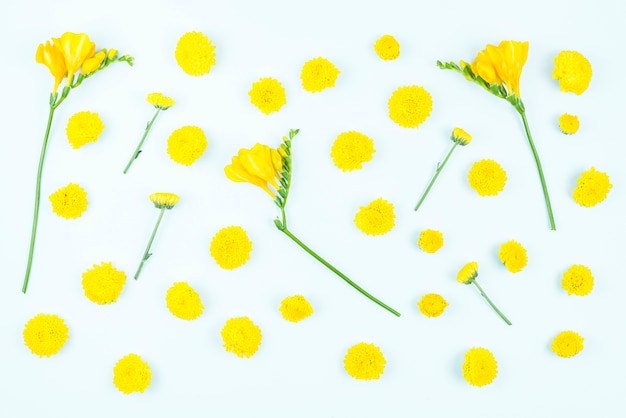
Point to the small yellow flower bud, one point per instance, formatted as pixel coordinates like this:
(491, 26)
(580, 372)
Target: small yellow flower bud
(460, 136)
(468, 273)
(164, 200)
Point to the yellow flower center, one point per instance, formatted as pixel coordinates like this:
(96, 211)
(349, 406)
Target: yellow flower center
(185, 145)
(592, 187)
(387, 48)
(409, 106)
(82, 128)
(195, 53)
(69, 202)
(295, 308)
(268, 95)
(568, 124)
(231, 247)
(432, 305)
(430, 240)
(513, 255)
(351, 149)
(45, 334)
(487, 177)
(318, 74)
(131, 374)
(103, 284)
(241, 336)
(480, 367)
(364, 361)
(183, 301)
(567, 344)
(577, 280)
(377, 218)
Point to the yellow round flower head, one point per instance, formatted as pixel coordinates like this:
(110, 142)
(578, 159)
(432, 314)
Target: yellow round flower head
(45, 334)
(160, 101)
(409, 106)
(592, 187)
(387, 48)
(164, 200)
(241, 336)
(460, 136)
(195, 53)
(185, 145)
(351, 149)
(131, 374)
(103, 284)
(480, 366)
(573, 71)
(487, 177)
(577, 280)
(183, 301)
(318, 74)
(231, 247)
(568, 124)
(468, 273)
(377, 218)
(69, 202)
(268, 95)
(513, 255)
(432, 305)
(295, 308)
(82, 128)
(364, 361)
(430, 240)
(567, 344)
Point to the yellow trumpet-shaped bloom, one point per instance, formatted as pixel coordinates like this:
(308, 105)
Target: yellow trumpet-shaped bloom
(258, 165)
(76, 49)
(52, 57)
(502, 64)
(92, 64)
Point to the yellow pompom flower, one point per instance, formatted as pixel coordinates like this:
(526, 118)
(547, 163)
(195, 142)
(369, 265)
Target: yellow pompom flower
(568, 124)
(573, 71)
(513, 255)
(131, 374)
(268, 95)
(351, 149)
(183, 301)
(487, 177)
(295, 308)
(241, 336)
(592, 187)
(432, 305)
(377, 218)
(387, 48)
(364, 361)
(430, 240)
(318, 74)
(567, 344)
(82, 128)
(231, 247)
(159, 101)
(577, 280)
(103, 283)
(195, 53)
(186, 144)
(480, 366)
(45, 334)
(410, 106)
(69, 202)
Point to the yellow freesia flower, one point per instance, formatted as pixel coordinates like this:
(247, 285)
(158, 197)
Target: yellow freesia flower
(52, 57)
(502, 64)
(92, 64)
(76, 48)
(258, 165)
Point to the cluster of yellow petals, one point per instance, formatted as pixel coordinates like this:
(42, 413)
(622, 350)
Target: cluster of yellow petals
(69, 202)
(410, 106)
(513, 255)
(430, 240)
(318, 74)
(351, 149)
(502, 64)
(241, 336)
(577, 280)
(259, 165)
(183, 301)
(186, 144)
(468, 273)
(567, 344)
(160, 101)
(569, 124)
(364, 361)
(103, 283)
(164, 200)
(592, 187)
(131, 374)
(195, 54)
(295, 308)
(487, 177)
(231, 247)
(377, 218)
(387, 48)
(82, 128)
(432, 305)
(573, 71)
(268, 95)
(480, 366)
(45, 334)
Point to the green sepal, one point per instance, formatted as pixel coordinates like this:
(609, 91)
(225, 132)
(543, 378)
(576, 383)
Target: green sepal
(282, 193)
(279, 224)
(53, 98)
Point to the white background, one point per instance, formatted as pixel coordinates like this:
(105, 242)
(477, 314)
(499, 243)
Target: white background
(298, 370)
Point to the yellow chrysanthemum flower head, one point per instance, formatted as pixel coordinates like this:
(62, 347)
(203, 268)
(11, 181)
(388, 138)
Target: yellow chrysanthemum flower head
(569, 124)
(195, 53)
(241, 336)
(460, 137)
(364, 361)
(567, 344)
(45, 334)
(410, 106)
(318, 74)
(513, 255)
(468, 273)
(231, 247)
(573, 71)
(480, 367)
(183, 301)
(164, 200)
(131, 374)
(69, 202)
(159, 101)
(577, 280)
(103, 283)
(186, 144)
(432, 305)
(387, 48)
(377, 218)
(487, 177)
(83, 127)
(351, 149)
(430, 240)
(295, 308)
(268, 95)
(592, 187)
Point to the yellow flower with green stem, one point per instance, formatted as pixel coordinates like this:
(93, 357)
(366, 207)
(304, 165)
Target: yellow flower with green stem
(498, 69)
(271, 169)
(467, 275)
(72, 57)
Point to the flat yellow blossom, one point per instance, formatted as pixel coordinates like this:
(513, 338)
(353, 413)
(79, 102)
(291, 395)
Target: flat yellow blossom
(295, 308)
(487, 177)
(45, 334)
(183, 301)
(410, 106)
(131, 374)
(432, 305)
(195, 53)
(480, 366)
(186, 144)
(573, 71)
(241, 336)
(568, 124)
(567, 344)
(351, 149)
(364, 361)
(577, 280)
(377, 218)
(160, 101)
(592, 187)
(268, 95)
(83, 128)
(318, 74)
(103, 283)
(387, 48)
(69, 202)
(231, 247)
(430, 240)
(513, 255)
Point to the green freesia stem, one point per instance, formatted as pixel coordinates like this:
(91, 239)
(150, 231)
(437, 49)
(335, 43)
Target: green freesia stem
(439, 168)
(482, 292)
(147, 253)
(143, 138)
